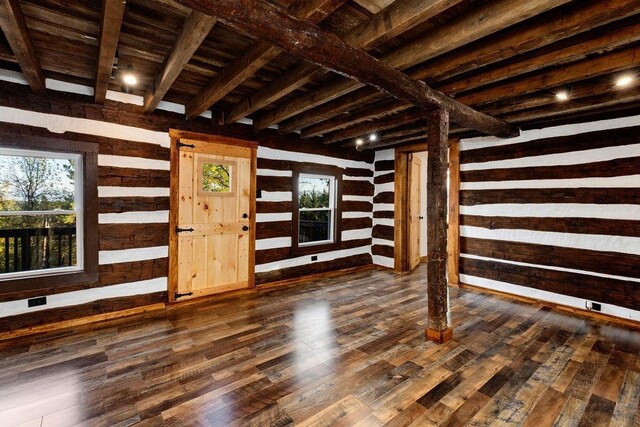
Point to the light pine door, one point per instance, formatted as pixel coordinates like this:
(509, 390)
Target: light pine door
(214, 238)
(414, 211)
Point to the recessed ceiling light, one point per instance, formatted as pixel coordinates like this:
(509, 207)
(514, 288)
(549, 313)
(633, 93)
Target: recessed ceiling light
(373, 137)
(624, 81)
(130, 79)
(562, 96)
(359, 142)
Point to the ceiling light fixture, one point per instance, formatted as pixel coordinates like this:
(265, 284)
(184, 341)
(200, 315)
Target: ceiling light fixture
(373, 137)
(624, 81)
(129, 78)
(359, 142)
(562, 96)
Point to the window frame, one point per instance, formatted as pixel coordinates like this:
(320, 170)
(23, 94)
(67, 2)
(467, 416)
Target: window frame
(85, 274)
(335, 203)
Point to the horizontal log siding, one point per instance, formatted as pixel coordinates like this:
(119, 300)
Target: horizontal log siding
(383, 200)
(274, 257)
(134, 188)
(559, 214)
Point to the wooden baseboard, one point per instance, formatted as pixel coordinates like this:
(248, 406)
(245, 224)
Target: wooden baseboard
(71, 323)
(100, 317)
(439, 337)
(577, 311)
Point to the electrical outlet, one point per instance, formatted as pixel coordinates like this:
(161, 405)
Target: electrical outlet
(593, 306)
(34, 302)
(314, 257)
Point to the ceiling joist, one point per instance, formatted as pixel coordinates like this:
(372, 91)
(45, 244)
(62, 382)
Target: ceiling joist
(309, 42)
(195, 29)
(483, 21)
(15, 30)
(398, 17)
(255, 58)
(609, 40)
(110, 23)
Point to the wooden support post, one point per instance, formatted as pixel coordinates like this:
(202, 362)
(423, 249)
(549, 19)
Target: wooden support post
(453, 229)
(401, 208)
(438, 328)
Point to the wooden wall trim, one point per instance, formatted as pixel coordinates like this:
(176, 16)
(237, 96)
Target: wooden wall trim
(401, 212)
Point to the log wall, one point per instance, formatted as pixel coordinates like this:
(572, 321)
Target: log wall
(133, 190)
(555, 214)
(383, 212)
(552, 215)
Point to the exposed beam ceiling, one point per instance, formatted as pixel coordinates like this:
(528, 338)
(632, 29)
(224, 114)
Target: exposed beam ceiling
(534, 34)
(196, 28)
(483, 21)
(390, 22)
(591, 48)
(306, 41)
(255, 58)
(110, 23)
(15, 30)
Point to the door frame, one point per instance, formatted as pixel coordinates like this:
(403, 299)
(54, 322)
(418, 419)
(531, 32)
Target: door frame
(175, 136)
(401, 208)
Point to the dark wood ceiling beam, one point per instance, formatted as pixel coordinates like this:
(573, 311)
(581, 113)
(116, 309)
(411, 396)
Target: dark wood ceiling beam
(196, 28)
(481, 22)
(546, 83)
(16, 32)
(255, 58)
(309, 42)
(367, 128)
(564, 75)
(398, 17)
(587, 97)
(110, 23)
(607, 41)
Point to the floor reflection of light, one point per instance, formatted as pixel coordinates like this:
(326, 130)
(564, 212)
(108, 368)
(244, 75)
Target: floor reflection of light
(313, 326)
(56, 398)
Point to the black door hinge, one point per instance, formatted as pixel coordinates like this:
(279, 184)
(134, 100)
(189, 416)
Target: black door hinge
(180, 230)
(182, 144)
(186, 294)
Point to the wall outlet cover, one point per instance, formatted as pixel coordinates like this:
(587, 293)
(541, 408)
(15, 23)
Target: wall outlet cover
(34, 302)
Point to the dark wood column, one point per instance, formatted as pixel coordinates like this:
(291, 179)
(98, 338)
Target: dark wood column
(438, 328)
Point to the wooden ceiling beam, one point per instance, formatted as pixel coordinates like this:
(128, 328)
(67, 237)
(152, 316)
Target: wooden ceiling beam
(481, 22)
(110, 23)
(564, 75)
(366, 128)
(196, 28)
(16, 32)
(253, 59)
(309, 42)
(586, 97)
(398, 17)
(534, 34)
(604, 42)
(549, 81)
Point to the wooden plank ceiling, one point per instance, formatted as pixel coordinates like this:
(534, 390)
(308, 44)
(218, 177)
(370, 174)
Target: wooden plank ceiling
(506, 58)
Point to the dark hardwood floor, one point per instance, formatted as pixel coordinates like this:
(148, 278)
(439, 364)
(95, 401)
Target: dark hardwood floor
(342, 351)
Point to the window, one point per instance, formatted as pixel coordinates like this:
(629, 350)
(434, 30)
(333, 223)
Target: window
(45, 198)
(216, 177)
(316, 213)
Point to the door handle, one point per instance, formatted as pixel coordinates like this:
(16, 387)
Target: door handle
(245, 215)
(245, 228)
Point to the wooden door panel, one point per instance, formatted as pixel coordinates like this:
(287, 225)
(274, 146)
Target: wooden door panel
(414, 211)
(215, 220)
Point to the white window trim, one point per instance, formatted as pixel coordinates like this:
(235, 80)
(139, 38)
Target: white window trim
(78, 211)
(331, 209)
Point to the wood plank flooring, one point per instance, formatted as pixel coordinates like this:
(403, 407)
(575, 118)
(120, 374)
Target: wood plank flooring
(343, 351)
